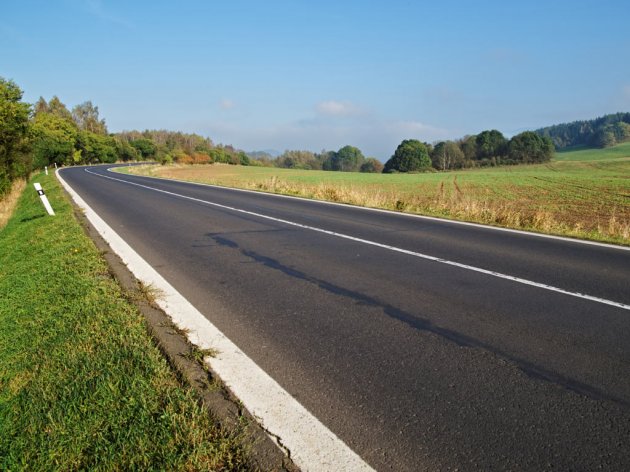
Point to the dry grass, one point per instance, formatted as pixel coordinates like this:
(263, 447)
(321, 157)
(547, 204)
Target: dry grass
(461, 205)
(10, 200)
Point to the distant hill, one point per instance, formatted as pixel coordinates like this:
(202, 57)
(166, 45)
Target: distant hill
(600, 132)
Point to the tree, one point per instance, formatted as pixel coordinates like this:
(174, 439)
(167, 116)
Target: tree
(611, 134)
(41, 106)
(347, 159)
(327, 159)
(468, 145)
(297, 160)
(218, 155)
(621, 131)
(410, 155)
(604, 138)
(125, 151)
(447, 155)
(86, 117)
(372, 165)
(14, 129)
(243, 158)
(54, 139)
(586, 132)
(145, 147)
(491, 144)
(95, 148)
(57, 108)
(529, 147)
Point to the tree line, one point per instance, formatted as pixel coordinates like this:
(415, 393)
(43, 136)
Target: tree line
(346, 159)
(167, 147)
(488, 148)
(15, 158)
(601, 132)
(47, 133)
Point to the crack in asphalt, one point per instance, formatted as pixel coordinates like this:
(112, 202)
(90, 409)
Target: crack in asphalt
(530, 369)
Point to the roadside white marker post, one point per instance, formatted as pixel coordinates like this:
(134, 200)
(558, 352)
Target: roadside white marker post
(46, 169)
(44, 198)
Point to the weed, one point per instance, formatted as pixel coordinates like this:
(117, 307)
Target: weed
(150, 292)
(198, 355)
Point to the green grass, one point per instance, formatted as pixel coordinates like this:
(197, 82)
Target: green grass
(593, 154)
(583, 193)
(82, 386)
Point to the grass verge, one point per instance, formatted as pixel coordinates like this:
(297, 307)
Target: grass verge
(9, 201)
(82, 385)
(584, 194)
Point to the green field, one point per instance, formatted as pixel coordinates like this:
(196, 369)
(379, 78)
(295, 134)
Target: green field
(590, 154)
(82, 385)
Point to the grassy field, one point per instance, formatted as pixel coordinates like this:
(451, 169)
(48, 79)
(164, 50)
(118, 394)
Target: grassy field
(584, 193)
(591, 154)
(82, 386)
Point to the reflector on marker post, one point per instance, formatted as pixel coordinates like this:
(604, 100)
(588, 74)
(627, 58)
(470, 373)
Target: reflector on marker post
(44, 198)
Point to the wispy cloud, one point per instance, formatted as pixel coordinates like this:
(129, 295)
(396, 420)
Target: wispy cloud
(96, 8)
(337, 108)
(417, 129)
(226, 104)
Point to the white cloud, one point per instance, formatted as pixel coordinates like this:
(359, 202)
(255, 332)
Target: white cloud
(226, 104)
(337, 108)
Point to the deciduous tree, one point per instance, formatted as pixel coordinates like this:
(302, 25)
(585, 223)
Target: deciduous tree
(410, 155)
(86, 117)
(54, 139)
(347, 159)
(447, 155)
(372, 165)
(529, 147)
(491, 144)
(14, 129)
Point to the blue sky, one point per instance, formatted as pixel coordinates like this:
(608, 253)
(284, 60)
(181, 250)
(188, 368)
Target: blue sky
(321, 74)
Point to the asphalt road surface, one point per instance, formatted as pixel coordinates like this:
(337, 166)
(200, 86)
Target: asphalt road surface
(387, 328)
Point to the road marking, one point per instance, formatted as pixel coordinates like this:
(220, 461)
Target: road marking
(381, 245)
(390, 212)
(313, 447)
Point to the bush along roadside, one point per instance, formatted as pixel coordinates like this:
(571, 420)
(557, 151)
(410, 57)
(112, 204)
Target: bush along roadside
(82, 385)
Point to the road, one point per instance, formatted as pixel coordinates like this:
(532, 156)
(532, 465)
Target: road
(422, 344)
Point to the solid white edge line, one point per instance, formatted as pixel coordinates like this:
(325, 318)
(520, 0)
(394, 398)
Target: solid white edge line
(390, 212)
(380, 245)
(312, 446)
